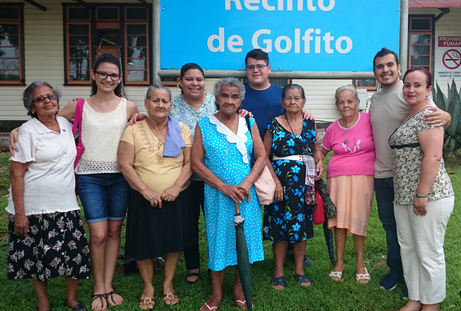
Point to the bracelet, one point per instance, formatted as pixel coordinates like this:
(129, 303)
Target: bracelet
(421, 196)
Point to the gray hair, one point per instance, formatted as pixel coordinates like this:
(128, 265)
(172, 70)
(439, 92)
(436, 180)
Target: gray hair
(348, 87)
(28, 100)
(156, 87)
(231, 82)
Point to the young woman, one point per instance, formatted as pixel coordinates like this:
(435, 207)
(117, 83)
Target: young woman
(102, 188)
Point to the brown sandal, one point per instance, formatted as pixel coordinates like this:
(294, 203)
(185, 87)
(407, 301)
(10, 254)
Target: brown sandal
(147, 303)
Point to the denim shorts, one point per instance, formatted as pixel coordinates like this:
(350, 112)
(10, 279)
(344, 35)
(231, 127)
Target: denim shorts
(103, 196)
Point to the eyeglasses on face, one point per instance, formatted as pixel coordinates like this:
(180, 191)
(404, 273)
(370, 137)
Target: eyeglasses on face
(258, 66)
(41, 99)
(103, 75)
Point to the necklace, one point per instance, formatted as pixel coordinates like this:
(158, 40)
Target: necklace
(293, 132)
(346, 139)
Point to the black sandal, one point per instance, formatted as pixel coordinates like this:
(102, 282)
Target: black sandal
(197, 274)
(110, 294)
(100, 296)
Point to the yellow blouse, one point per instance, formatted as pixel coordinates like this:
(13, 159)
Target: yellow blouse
(157, 172)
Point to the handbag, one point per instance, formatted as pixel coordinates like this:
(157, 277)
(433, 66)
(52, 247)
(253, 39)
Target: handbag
(265, 185)
(78, 123)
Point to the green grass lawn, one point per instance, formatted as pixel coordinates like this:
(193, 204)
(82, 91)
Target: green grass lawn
(325, 294)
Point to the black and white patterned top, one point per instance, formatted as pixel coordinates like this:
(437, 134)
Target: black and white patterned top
(407, 160)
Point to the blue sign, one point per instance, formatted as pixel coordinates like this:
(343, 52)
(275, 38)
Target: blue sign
(299, 35)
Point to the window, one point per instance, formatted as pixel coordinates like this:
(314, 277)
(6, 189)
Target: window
(420, 41)
(11, 44)
(368, 84)
(121, 30)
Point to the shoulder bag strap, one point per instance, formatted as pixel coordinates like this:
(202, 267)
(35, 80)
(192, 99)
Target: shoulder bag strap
(247, 120)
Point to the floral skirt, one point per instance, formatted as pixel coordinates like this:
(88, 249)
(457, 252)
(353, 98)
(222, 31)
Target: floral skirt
(56, 245)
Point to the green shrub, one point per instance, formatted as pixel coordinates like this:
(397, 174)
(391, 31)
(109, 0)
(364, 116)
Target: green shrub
(451, 104)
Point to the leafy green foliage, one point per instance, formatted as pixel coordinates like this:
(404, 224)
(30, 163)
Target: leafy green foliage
(451, 104)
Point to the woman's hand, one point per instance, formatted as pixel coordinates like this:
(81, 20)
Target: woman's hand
(21, 225)
(437, 117)
(420, 206)
(278, 195)
(233, 192)
(13, 140)
(307, 115)
(135, 118)
(243, 113)
(319, 170)
(155, 198)
(171, 193)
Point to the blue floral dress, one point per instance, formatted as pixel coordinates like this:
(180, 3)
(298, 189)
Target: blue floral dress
(227, 155)
(291, 219)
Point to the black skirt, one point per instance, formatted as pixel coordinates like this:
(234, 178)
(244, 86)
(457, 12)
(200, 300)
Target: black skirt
(152, 231)
(56, 245)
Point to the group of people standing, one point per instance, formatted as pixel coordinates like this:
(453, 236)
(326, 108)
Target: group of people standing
(202, 150)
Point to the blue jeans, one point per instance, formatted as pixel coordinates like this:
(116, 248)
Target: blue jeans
(104, 196)
(384, 189)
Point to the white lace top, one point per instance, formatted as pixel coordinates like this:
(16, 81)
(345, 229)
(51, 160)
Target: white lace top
(101, 133)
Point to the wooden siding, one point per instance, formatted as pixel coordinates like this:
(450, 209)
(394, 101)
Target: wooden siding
(44, 60)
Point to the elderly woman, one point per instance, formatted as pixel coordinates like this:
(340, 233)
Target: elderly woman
(154, 157)
(289, 139)
(221, 156)
(423, 196)
(101, 187)
(350, 178)
(46, 234)
(192, 104)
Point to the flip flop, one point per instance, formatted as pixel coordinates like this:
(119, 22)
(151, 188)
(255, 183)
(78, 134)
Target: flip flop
(302, 278)
(363, 276)
(110, 294)
(210, 308)
(336, 274)
(102, 297)
(147, 303)
(278, 281)
(170, 299)
(237, 302)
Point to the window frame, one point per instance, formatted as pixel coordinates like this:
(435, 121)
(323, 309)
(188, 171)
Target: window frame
(369, 88)
(96, 25)
(20, 6)
(429, 32)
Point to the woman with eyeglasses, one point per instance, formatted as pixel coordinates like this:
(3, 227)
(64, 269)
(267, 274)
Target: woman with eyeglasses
(102, 188)
(46, 234)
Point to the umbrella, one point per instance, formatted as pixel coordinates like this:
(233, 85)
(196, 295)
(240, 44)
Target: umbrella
(330, 212)
(242, 257)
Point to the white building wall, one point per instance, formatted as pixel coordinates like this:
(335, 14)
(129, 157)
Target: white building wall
(44, 60)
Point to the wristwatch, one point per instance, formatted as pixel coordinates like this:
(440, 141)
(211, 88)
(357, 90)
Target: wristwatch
(420, 196)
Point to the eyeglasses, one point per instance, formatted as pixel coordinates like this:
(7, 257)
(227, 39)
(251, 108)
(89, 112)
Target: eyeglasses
(103, 75)
(39, 100)
(258, 66)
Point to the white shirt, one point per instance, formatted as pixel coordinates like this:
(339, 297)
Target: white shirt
(49, 181)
